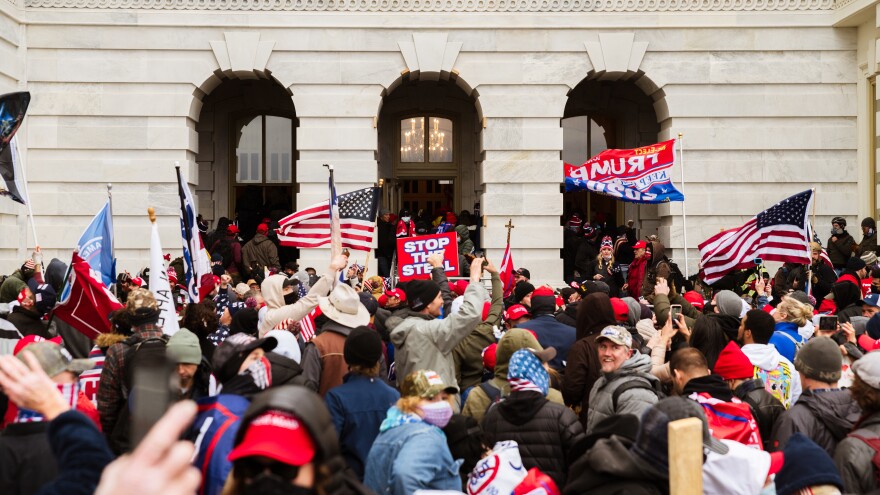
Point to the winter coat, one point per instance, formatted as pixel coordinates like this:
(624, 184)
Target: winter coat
(12, 286)
(634, 401)
(278, 311)
(785, 345)
(410, 455)
(636, 275)
(868, 244)
(824, 278)
(465, 244)
(28, 322)
(26, 460)
(766, 409)
(586, 254)
(853, 457)
(213, 432)
(9, 336)
(260, 252)
(423, 342)
(825, 416)
(468, 354)
(552, 333)
(568, 315)
(544, 431)
(386, 238)
(611, 275)
(841, 250)
(323, 363)
(659, 267)
(769, 364)
(358, 407)
(478, 402)
(611, 468)
(581, 372)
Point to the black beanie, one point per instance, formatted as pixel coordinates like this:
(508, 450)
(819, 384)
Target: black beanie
(369, 302)
(869, 222)
(420, 293)
(363, 347)
(521, 290)
(855, 264)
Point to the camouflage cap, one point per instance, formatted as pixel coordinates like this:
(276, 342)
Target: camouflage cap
(141, 298)
(425, 384)
(54, 359)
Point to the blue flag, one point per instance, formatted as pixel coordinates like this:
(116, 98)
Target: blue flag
(95, 246)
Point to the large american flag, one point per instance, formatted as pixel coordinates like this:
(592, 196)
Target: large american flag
(779, 233)
(310, 227)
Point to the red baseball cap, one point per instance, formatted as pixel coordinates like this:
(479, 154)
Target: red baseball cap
(396, 293)
(32, 339)
(489, 359)
(640, 245)
(459, 286)
(695, 298)
(543, 292)
(621, 310)
(232, 229)
(486, 307)
(263, 228)
(277, 435)
(515, 312)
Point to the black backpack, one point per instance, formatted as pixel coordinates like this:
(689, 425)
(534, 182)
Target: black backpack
(492, 392)
(634, 384)
(138, 352)
(223, 247)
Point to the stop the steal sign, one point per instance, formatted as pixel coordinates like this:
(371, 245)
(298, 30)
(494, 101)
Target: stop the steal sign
(413, 252)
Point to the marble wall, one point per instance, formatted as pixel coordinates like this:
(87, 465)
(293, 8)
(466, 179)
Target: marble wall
(767, 102)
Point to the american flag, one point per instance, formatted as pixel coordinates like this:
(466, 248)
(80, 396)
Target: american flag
(823, 255)
(779, 233)
(310, 227)
(307, 325)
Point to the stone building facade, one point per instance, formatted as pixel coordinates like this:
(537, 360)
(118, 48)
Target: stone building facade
(251, 97)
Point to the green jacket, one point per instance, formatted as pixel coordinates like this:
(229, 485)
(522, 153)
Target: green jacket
(12, 286)
(662, 305)
(468, 354)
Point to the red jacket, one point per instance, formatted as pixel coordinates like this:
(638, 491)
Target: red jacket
(636, 275)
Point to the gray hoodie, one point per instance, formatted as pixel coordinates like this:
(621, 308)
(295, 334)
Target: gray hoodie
(633, 401)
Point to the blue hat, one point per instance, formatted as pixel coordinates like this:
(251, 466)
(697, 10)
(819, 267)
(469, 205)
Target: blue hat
(873, 327)
(871, 300)
(806, 465)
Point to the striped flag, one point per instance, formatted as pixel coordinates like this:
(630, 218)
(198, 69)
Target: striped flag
(779, 233)
(307, 325)
(195, 257)
(506, 271)
(311, 227)
(823, 255)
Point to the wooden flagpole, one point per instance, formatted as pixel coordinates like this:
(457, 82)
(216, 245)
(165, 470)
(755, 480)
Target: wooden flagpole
(686, 456)
(509, 226)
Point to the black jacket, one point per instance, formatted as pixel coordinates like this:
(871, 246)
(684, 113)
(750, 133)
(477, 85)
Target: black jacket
(824, 416)
(766, 409)
(842, 250)
(568, 315)
(387, 240)
(545, 431)
(824, 277)
(28, 322)
(610, 468)
(713, 385)
(26, 461)
(81, 453)
(613, 276)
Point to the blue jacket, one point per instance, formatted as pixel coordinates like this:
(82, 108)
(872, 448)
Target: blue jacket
(81, 453)
(213, 432)
(358, 407)
(410, 455)
(552, 333)
(783, 344)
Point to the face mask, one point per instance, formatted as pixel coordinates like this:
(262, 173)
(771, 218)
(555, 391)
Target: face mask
(437, 413)
(291, 298)
(870, 232)
(272, 484)
(405, 219)
(606, 257)
(256, 378)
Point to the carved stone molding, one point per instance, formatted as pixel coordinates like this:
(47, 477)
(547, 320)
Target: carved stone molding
(242, 54)
(446, 5)
(616, 55)
(429, 54)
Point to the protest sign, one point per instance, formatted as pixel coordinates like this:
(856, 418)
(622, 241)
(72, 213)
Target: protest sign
(413, 252)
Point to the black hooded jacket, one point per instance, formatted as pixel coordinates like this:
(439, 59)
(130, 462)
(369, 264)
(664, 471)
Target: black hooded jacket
(610, 468)
(545, 431)
(826, 417)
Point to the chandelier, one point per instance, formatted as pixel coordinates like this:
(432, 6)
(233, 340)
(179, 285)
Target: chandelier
(413, 140)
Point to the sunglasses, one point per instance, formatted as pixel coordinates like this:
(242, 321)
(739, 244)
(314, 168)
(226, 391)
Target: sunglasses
(251, 467)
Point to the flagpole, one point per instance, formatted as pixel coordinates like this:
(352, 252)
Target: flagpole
(335, 241)
(683, 209)
(812, 231)
(27, 193)
(112, 234)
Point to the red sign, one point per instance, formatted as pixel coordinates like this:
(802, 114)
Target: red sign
(413, 252)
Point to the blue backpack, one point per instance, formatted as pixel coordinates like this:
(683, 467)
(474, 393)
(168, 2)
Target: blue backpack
(213, 433)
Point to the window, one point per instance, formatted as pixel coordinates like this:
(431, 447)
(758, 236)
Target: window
(264, 150)
(583, 138)
(436, 139)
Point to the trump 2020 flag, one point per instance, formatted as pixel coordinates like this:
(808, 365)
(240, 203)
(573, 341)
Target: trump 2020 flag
(639, 175)
(89, 303)
(160, 287)
(95, 247)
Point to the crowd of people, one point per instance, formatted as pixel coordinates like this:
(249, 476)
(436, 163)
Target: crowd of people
(343, 383)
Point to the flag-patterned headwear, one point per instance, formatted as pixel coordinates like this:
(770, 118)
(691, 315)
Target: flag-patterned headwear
(526, 372)
(607, 242)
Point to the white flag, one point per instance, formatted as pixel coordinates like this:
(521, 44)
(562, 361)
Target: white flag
(160, 287)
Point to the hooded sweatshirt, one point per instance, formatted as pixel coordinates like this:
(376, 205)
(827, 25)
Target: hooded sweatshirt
(278, 311)
(634, 401)
(776, 372)
(465, 244)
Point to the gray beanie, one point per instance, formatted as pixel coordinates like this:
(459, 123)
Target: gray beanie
(728, 303)
(819, 359)
(183, 348)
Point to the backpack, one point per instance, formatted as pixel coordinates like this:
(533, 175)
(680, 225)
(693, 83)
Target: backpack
(871, 440)
(223, 247)
(730, 420)
(777, 382)
(797, 345)
(138, 352)
(634, 384)
(493, 393)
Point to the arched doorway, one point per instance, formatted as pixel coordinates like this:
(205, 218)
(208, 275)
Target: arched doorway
(599, 115)
(428, 148)
(247, 153)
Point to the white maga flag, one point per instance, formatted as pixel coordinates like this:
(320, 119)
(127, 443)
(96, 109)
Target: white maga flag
(160, 287)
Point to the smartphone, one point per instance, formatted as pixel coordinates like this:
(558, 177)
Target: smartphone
(151, 394)
(828, 323)
(675, 310)
(759, 261)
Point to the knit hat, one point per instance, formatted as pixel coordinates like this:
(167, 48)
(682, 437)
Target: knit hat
(869, 222)
(854, 264)
(621, 310)
(574, 221)
(543, 301)
(606, 242)
(870, 258)
(728, 303)
(183, 347)
(806, 464)
(839, 221)
(521, 290)
(695, 298)
(733, 364)
(420, 293)
(801, 297)
(363, 347)
(819, 359)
